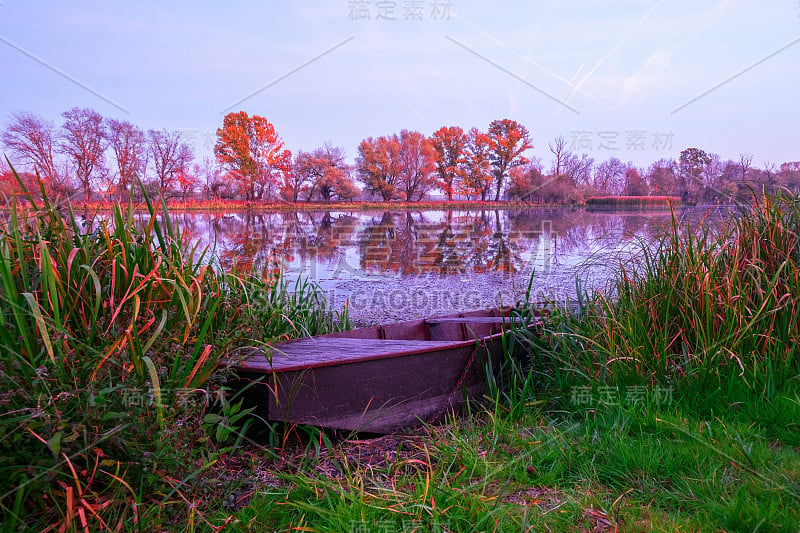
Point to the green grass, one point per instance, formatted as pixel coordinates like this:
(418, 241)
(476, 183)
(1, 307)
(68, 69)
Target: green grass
(110, 337)
(714, 315)
(671, 405)
(636, 469)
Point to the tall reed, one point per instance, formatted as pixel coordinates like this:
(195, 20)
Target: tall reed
(714, 313)
(110, 334)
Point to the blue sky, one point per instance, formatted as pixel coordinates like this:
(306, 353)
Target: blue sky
(615, 78)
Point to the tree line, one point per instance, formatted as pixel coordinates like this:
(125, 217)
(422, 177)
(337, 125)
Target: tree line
(91, 157)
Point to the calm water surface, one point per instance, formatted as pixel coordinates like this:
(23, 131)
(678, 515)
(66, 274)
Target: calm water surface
(406, 264)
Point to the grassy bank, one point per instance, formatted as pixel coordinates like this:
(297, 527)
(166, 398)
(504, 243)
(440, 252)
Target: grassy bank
(673, 407)
(110, 334)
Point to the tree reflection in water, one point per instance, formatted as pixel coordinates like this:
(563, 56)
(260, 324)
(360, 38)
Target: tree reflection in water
(329, 244)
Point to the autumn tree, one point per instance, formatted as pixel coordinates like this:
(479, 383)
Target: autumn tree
(450, 146)
(83, 140)
(298, 178)
(476, 176)
(170, 157)
(635, 184)
(692, 166)
(509, 141)
(129, 145)
(525, 182)
(417, 164)
(323, 173)
(30, 139)
(9, 184)
(662, 178)
(254, 153)
(378, 165)
(789, 173)
(187, 179)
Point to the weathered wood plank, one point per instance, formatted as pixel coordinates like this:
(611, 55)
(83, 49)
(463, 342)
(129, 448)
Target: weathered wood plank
(325, 351)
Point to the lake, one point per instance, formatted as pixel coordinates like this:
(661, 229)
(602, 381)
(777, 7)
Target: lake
(395, 265)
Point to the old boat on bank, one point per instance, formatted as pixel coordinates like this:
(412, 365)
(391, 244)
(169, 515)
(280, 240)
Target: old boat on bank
(378, 379)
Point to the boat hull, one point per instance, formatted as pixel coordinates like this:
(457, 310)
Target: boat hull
(364, 381)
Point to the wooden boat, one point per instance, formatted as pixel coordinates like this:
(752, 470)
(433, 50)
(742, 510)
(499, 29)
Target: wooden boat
(377, 379)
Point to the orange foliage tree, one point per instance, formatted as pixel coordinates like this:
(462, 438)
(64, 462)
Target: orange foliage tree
(379, 166)
(417, 164)
(476, 176)
(250, 148)
(399, 166)
(510, 140)
(322, 173)
(449, 145)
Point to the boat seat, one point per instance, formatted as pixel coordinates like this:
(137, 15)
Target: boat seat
(474, 320)
(469, 327)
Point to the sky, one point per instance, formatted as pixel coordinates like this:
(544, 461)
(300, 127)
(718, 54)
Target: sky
(639, 80)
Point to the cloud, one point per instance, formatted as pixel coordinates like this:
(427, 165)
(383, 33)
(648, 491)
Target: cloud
(650, 74)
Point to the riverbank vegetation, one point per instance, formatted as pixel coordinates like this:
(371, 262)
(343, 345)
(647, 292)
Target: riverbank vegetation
(635, 202)
(110, 335)
(237, 206)
(93, 158)
(674, 404)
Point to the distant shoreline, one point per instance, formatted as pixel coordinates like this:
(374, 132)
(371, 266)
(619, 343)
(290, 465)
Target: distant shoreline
(620, 202)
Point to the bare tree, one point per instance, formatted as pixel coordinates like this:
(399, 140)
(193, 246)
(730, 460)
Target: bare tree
(83, 140)
(609, 176)
(566, 163)
(30, 140)
(579, 169)
(559, 149)
(769, 172)
(127, 142)
(745, 161)
(790, 175)
(170, 155)
(214, 185)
